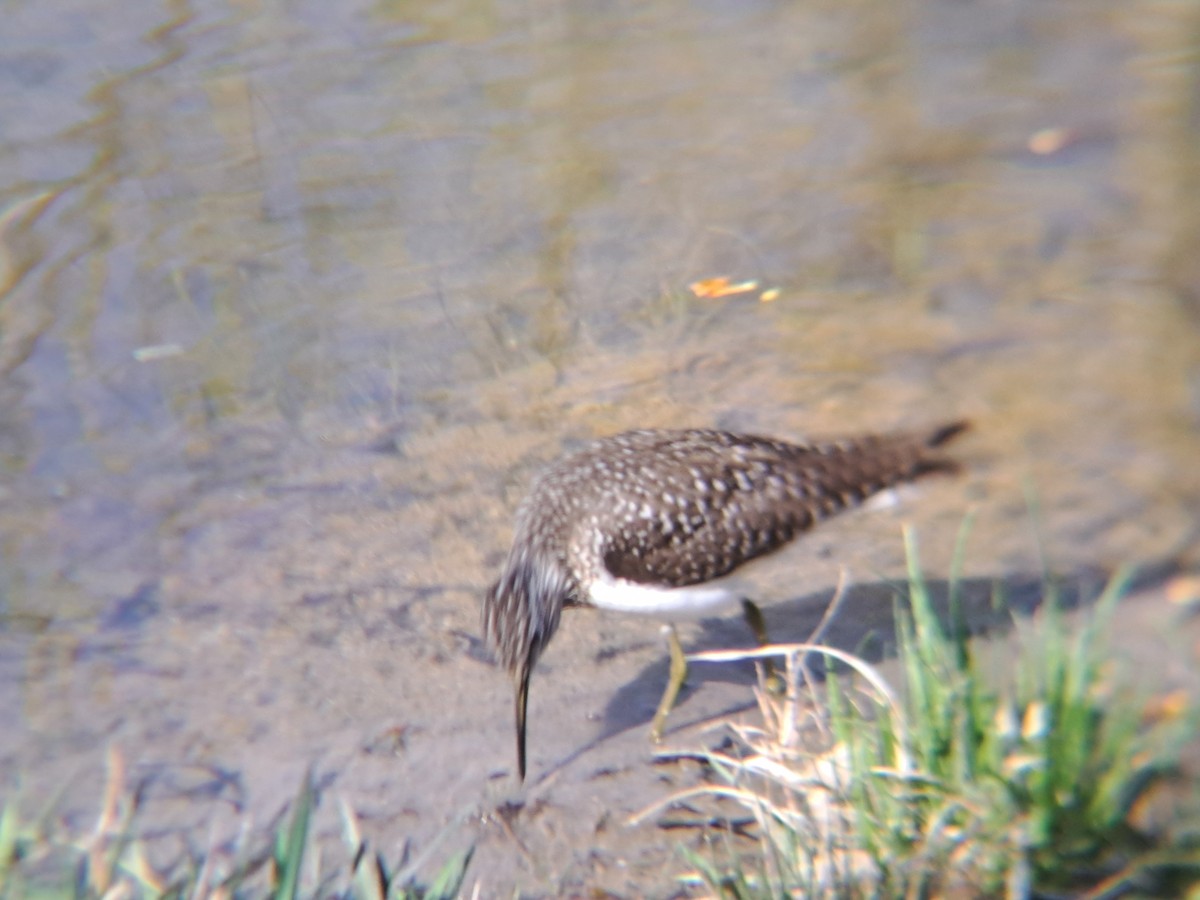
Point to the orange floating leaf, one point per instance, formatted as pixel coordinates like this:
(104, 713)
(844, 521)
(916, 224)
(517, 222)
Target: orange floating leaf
(713, 288)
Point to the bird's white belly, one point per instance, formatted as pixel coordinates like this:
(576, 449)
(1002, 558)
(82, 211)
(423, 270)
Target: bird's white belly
(693, 602)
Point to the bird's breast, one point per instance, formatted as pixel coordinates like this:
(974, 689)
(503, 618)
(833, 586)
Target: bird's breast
(695, 601)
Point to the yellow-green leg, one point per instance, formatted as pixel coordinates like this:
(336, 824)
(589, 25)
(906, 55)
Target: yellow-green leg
(675, 679)
(677, 673)
(758, 626)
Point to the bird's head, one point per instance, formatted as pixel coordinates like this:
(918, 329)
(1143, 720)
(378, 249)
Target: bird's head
(520, 614)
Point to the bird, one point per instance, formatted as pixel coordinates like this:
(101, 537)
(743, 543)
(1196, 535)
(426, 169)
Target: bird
(655, 521)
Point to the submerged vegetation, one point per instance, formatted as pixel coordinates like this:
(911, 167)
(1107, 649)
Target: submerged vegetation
(957, 783)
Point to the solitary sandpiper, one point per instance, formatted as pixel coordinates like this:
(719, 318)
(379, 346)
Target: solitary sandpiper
(653, 521)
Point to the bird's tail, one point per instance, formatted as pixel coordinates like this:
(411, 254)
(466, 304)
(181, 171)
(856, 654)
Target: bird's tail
(941, 435)
(946, 433)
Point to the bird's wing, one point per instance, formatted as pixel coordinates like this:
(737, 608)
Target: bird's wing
(707, 508)
(709, 501)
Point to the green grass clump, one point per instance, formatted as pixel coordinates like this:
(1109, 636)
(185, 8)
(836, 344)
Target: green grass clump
(960, 784)
(39, 859)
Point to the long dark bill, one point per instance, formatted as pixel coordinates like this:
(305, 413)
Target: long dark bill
(521, 681)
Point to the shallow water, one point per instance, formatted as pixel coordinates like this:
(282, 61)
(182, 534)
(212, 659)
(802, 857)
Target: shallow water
(294, 301)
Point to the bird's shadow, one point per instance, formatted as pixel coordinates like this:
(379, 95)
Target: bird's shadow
(863, 623)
